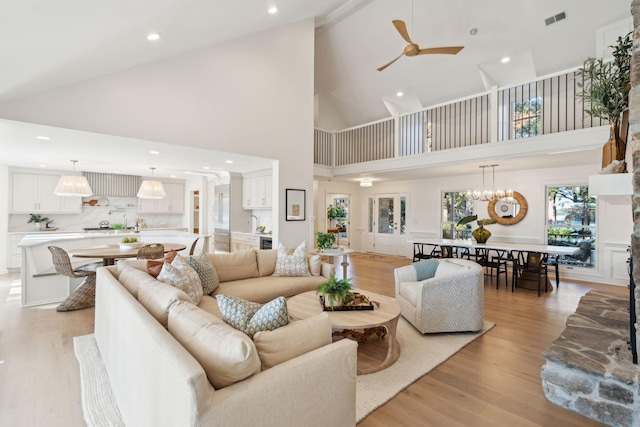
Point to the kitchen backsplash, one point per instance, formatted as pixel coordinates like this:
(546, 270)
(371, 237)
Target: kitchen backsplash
(115, 212)
(265, 218)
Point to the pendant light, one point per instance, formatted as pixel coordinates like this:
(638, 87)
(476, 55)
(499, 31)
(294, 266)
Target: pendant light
(151, 189)
(73, 185)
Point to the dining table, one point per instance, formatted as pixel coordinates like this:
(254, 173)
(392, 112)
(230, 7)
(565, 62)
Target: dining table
(109, 253)
(432, 247)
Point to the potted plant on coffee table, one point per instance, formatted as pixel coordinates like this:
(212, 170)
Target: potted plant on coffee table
(335, 292)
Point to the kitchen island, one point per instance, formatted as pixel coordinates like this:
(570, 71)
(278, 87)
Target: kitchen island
(40, 284)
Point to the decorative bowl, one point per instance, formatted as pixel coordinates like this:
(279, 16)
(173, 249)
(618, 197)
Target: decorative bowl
(127, 246)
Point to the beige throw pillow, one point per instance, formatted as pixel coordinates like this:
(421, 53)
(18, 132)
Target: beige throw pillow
(226, 354)
(292, 340)
(235, 265)
(292, 263)
(157, 297)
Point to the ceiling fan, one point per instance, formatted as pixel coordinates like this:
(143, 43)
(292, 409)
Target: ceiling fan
(413, 49)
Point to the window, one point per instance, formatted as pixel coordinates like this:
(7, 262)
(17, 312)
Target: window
(455, 206)
(527, 118)
(571, 221)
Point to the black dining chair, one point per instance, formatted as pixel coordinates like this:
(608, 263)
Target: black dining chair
(529, 267)
(493, 260)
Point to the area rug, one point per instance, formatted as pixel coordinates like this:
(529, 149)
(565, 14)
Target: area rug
(419, 354)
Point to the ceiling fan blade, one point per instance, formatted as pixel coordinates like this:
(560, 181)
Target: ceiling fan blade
(386, 65)
(402, 29)
(450, 50)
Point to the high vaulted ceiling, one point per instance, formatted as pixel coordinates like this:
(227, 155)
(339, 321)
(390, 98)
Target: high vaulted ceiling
(47, 44)
(349, 52)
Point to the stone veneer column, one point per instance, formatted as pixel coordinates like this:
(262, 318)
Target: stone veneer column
(634, 125)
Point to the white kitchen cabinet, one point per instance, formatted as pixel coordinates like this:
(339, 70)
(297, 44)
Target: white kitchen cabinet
(15, 253)
(242, 242)
(31, 193)
(172, 204)
(257, 192)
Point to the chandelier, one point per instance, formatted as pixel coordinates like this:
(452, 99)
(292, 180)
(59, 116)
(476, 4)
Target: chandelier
(485, 194)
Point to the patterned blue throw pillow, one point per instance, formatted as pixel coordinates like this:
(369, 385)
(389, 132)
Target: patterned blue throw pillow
(251, 317)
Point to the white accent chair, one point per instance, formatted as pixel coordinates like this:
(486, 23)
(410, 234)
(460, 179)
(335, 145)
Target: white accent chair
(451, 301)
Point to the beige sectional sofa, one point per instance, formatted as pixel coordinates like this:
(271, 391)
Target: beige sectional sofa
(163, 353)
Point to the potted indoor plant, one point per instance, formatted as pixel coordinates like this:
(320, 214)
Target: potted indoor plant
(325, 241)
(605, 93)
(335, 292)
(335, 212)
(38, 220)
(481, 234)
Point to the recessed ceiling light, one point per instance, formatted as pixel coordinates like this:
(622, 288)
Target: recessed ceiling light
(399, 94)
(116, 171)
(173, 176)
(153, 37)
(44, 138)
(473, 31)
(154, 152)
(272, 10)
(42, 166)
(206, 167)
(228, 161)
(505, 60)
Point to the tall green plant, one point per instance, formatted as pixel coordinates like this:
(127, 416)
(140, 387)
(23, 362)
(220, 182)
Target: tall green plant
(605, 85)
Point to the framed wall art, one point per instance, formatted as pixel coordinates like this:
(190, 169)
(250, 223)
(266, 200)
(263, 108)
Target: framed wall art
(295, 204)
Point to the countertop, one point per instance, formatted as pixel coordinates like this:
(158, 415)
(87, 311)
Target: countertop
(249, 233)
(81, 231)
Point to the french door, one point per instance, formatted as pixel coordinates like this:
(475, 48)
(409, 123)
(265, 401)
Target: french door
(389, 219)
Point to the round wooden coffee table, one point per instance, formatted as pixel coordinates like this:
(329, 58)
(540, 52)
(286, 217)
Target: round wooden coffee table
(372, 329)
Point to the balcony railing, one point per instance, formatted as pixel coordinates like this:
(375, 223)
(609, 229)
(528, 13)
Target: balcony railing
(547, 105)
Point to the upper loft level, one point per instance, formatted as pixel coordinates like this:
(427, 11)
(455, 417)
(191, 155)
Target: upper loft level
(535, 117)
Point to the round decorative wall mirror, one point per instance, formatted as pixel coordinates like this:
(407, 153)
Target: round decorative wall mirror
(508, 213)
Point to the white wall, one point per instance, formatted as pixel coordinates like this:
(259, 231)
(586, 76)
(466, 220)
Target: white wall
(4, 217)
(249, 96)
(424, 213)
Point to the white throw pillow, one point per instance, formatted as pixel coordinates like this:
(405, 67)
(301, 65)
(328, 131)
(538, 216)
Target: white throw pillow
(315, 265)
(182, 276)
(292, 263)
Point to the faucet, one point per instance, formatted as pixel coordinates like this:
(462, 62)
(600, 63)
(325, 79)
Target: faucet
(124, 220)
(257, 220)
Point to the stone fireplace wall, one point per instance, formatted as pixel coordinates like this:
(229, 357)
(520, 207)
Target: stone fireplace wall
(634, 127)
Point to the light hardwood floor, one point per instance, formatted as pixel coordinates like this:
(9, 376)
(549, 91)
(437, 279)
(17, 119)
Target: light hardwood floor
(495, 381)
